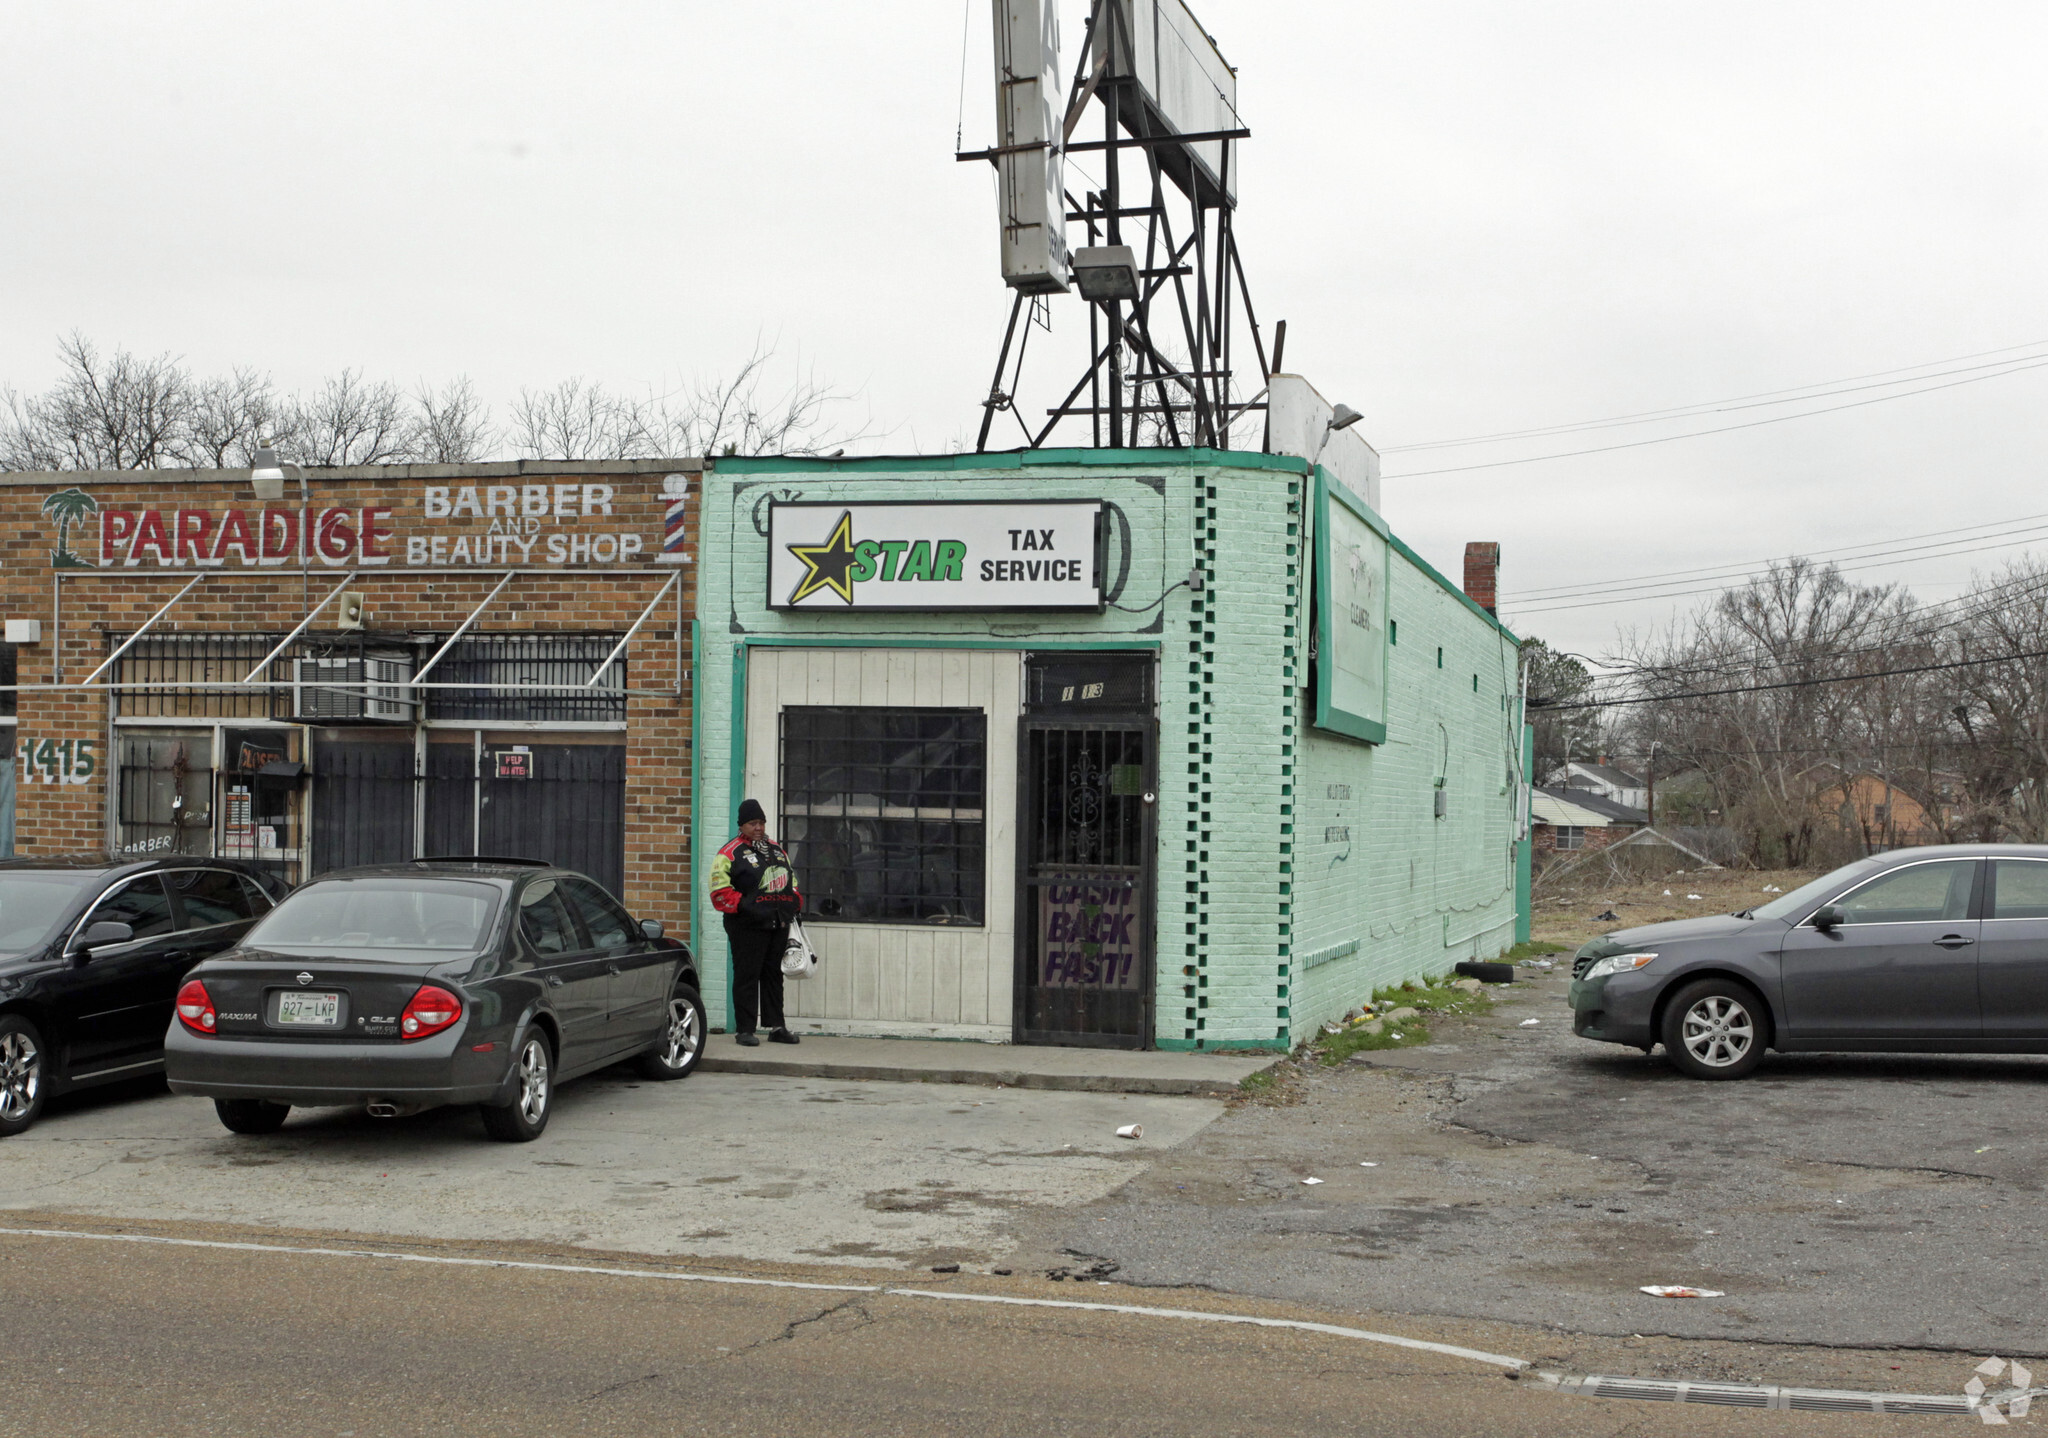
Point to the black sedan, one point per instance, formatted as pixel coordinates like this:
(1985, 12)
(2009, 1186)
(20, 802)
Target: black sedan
(92, 949)
(402, 987)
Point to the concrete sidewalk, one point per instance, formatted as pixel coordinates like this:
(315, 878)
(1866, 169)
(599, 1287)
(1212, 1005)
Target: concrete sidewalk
(1014, 1065)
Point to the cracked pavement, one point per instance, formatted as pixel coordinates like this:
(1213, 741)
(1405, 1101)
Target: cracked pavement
(1526, 1175)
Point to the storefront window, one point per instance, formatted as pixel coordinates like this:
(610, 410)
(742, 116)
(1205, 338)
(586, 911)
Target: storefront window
(166, 798)
(883, 809)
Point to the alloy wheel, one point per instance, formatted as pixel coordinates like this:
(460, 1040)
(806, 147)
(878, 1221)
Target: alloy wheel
(21, 1075)
(1718, 1031)
(684, 1038)
(533, 1081)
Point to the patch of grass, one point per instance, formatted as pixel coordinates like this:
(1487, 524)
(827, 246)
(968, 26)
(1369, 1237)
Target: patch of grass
(1430, 999)
(1261, 1082)
(1533, 949)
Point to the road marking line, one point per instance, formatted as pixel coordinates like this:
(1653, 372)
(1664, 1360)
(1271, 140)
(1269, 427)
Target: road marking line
(450, 1260)
(1497, 1359)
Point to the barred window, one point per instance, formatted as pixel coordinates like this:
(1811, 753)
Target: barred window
(529, 659)
(883, 809)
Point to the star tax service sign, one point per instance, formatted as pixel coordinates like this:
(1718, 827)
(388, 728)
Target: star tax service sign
(944, 555)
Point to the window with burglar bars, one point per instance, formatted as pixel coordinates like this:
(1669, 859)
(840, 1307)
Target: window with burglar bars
(516, 659)
(884, 812)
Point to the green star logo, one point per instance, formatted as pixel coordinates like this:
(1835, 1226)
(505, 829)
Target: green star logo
(829, 563)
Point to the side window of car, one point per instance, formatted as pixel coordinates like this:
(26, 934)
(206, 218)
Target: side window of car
(544, 921)
(141, 904)
(1923, 893)
(609, 926)
(211, 897)
(260, 902)
(2022, 891)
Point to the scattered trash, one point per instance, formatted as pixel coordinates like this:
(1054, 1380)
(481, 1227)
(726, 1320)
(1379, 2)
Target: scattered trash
(1679, 1290)
(1333, 1028)
(1607, 918)
(1311, 1180)
(1667, 893)
(1530, 1023)
(945, 1268)
(1000, 1272)
(1772, 889)
(1098, 1271)
(1369, 1165)
(1985, 1149)
(1692, 896)
(1131, 1130)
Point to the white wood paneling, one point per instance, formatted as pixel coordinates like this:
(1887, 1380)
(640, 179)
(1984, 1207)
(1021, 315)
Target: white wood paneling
(914, 980)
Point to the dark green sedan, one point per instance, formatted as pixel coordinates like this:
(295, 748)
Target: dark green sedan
(402, 987)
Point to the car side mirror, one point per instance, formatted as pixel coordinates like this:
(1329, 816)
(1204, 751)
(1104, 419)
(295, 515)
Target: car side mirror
(104, 934)
(1827, 918)
(651, 927)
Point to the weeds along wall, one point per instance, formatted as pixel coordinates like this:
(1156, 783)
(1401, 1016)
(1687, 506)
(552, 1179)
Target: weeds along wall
(1294, 869)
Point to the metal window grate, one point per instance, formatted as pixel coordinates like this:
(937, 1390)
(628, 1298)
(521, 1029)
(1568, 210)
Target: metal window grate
(884, 812)
(515, 659)
(177, 676)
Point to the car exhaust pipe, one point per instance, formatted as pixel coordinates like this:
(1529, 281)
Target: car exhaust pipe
(381, 1108)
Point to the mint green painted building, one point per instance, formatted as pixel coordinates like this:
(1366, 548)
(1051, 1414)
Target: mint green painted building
(1161, 748)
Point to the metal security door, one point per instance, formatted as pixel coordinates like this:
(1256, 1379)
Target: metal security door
(564, 803)
(1085, 890)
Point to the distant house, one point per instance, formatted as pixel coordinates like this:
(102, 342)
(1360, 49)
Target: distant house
(1565, 820)
(1881, 814)
(1615, 785)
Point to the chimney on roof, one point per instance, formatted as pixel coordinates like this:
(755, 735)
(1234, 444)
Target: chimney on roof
(1482, 574)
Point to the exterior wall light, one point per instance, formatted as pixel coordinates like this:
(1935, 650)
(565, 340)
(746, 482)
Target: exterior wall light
(267, 476)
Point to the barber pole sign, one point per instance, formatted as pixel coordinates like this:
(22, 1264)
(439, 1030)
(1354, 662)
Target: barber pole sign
(675, 488)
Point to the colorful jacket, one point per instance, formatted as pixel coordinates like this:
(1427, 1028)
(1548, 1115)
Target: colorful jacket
(754, 886)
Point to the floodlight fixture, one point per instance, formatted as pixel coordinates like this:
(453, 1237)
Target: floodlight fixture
(1343, 417)
(1106, 272)
(266, 476)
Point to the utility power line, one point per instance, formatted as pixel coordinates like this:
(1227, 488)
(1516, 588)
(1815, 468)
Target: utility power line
(2035, 363)
(1820, 389)
(1784, 684)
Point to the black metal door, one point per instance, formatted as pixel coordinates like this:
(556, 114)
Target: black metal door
(567, 806)
(362, 798)
(1085, 900)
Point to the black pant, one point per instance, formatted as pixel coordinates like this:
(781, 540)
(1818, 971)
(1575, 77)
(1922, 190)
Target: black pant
(757, 975)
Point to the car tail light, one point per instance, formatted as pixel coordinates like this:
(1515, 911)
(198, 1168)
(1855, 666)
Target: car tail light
(195, 1008)
(429, 1011)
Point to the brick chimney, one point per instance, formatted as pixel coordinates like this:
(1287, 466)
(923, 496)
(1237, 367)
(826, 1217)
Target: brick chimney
(1482, 573)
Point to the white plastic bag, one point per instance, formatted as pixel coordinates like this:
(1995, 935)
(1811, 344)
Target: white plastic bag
(799, 960)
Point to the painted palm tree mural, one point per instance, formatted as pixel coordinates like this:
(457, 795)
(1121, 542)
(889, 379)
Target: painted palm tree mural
(69, 507)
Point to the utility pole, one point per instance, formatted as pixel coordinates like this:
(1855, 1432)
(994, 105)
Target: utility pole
(1650, 781)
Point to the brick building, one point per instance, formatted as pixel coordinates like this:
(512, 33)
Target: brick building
(1175, 749)
(393, 661)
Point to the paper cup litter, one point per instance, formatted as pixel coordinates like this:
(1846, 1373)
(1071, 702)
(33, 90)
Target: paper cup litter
(1131, 1130)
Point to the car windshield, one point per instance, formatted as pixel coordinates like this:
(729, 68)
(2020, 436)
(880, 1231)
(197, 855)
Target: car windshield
(392, 920)
(1795, 904)
(33, 905)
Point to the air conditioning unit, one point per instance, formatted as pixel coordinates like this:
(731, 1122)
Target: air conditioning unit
(366, 687)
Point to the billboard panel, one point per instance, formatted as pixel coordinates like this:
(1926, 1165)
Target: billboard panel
(1190, 85)
(1030, 188)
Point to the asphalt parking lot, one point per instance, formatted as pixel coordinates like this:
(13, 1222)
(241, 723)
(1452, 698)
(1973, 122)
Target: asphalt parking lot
(1526, 1175)
(724, 1165)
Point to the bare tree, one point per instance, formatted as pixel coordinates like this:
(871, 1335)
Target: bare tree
(120, 412)
(449, 425)
(581, 420)
(348, 420)
(227, 419)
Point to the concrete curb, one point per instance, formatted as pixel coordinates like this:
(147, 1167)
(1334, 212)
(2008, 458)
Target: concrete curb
(1191, 1085)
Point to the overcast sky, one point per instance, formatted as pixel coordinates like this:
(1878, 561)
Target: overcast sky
(1477, 217)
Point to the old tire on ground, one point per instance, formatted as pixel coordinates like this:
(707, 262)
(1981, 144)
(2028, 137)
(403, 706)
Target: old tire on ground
(251, 1115)
(1715, 1029)
(1487, 973)
(24, 1074)
(533, 1094)
(681, 1045)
